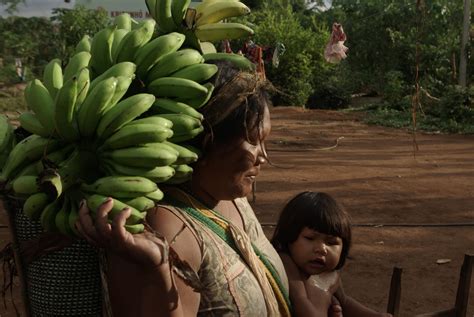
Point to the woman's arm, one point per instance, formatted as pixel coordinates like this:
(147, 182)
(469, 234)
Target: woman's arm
(139, 276)
(304, 304)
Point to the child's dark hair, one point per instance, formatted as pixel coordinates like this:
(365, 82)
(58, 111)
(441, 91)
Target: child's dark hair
(317, 211)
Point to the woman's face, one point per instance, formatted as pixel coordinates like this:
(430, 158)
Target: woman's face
(229, 170)
(315, 252)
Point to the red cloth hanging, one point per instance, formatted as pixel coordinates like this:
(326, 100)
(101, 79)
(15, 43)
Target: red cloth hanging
(336, 50)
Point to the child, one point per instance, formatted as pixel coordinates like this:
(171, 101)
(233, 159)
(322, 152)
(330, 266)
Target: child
(313, 237)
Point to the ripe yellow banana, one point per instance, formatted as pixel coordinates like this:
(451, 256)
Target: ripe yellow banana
(221, 10)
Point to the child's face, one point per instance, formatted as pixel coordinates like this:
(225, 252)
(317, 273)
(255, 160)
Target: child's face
(314, 252)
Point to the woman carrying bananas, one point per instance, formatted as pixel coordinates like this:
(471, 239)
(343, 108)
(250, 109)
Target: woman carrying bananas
(204, 252)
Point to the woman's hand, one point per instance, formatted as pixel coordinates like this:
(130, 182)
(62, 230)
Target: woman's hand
(145, 248)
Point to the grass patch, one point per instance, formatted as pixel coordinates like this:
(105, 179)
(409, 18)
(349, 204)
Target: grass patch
(12, 104)
(376, 114)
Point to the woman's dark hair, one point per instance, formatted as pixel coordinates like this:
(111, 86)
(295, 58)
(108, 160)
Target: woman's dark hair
(237, 106)
(317, 211)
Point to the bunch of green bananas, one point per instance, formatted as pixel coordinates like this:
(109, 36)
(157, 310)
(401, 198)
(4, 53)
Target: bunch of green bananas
(113, 122)
(204, 22)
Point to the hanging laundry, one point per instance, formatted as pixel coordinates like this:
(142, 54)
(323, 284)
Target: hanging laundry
(336, 50)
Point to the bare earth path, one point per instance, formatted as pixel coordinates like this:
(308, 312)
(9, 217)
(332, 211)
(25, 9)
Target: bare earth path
(375, 174)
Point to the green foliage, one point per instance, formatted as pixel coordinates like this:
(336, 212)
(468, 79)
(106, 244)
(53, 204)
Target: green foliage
(74, 24)
(278, 23)
(37, 40)
(11, 5)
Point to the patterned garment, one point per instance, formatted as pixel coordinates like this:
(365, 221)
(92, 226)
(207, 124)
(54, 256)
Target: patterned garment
(229, 286)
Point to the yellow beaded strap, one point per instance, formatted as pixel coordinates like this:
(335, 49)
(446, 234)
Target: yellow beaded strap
(276, 299)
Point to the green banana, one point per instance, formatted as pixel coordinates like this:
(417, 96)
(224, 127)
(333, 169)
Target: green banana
(207, 47)
(122, 113)
(183, 174)
(164, 16)
(125, 69)
(25, 185)
(173, 62)
(94, 106)
(176, 87)
(216, 32)
(119, 34)
(182, 123)
(30, 123)
(186, 136)
(157, 174)
(178, 11)
(123, 84)
(221, 10)
(182, 170)
(73, 217)
(26, 151)
(7, 135)
(238, 60)
(41, 103)
(185, 155)
(53, 77)
(198, 103)
(142, 156)
(83, 83)
(62, 218)
(197, 72)
(64, 110)
(48, 215)
(84, 45)
(76, 63)
(28, 170)
(156, 196)
(134, 40)
(141, 203)
(163, 106)
(157, 121)
(95, 201)
(51, 183)
(149, 54)
(34, 205)
(121, 186)
(135, 229)
(132, 135)
(101, 51)
(151, 6)
(53, 159)
(123, 21)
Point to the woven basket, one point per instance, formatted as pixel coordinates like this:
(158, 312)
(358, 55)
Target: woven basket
(65, 282)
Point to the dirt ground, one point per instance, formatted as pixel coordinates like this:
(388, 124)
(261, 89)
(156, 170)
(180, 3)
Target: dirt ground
(388, 189)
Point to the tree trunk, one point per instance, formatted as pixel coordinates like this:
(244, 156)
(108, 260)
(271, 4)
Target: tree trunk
(464, 42)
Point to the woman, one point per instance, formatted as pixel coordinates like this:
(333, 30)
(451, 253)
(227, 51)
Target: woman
(232, 279)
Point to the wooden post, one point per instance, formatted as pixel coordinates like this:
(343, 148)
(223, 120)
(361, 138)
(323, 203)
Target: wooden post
(464, 285)
(395, 292)
(464, 42)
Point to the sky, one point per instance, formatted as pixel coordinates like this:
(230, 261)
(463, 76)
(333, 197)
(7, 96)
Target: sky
(44, 7)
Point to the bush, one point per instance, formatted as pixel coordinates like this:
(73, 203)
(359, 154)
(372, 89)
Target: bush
(456, 105)
(277, 23)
